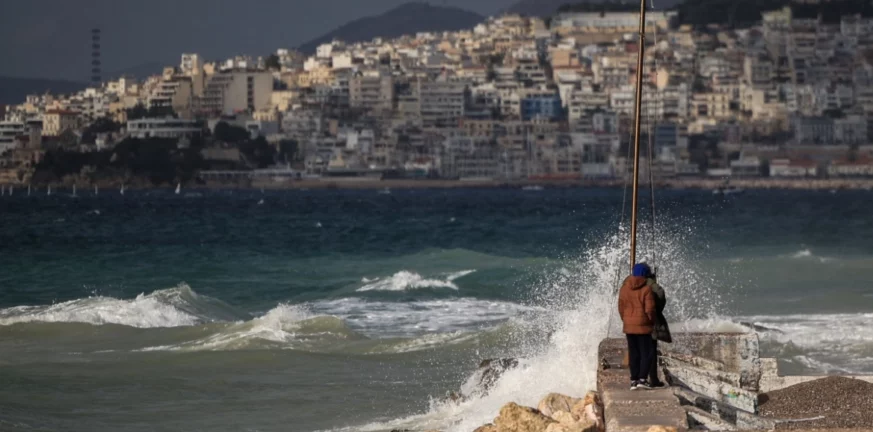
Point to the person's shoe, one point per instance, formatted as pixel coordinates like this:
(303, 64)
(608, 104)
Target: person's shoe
(643, 385)
(657, 385)
(634, 385)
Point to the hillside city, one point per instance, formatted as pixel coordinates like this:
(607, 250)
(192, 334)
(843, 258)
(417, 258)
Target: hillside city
(513, 98)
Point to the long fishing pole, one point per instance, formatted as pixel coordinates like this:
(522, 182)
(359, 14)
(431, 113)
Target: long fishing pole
(637, 115)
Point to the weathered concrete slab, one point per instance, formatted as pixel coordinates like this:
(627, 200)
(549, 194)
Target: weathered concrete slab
(738, 352)
(700, 381)
(724, 412)
(698, 418)
(771, 380)
(628, 410)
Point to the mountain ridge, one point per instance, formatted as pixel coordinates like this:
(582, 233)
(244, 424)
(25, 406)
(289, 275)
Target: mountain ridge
(406, 19)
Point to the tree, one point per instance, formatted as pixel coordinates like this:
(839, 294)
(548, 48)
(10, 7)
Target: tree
(259, 152)
(230, 134)
(99, 126)
(138, 111)
(272, 62)
(161, 112)
(288, 150)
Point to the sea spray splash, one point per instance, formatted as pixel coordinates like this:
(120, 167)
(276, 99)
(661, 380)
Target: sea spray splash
(581, 299)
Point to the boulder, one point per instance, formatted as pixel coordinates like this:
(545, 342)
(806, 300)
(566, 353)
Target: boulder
(486, 428)
(589, 410)
(557, 427)
(555, 402)
(572, 424)
(516, 418)
(490, 371)
(662, 429)
(564, 418)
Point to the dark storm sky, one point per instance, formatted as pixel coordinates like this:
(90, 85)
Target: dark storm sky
(51, 38)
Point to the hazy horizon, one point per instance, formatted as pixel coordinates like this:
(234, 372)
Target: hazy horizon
(50, 39)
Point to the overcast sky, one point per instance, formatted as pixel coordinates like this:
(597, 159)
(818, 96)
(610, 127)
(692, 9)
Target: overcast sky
(51, 38)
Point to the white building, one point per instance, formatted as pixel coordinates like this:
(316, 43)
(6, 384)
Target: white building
(9, 130)
(441, 103)
(163, 128)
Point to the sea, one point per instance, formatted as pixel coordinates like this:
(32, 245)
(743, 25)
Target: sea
(359, 310)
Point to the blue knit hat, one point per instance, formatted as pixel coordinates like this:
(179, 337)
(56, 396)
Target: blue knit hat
(642, 270)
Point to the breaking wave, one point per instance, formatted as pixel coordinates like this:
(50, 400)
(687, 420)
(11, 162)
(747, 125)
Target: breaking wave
(405, 280)
(173, 307)
(179, 319)
(562, 357)
(820, 343)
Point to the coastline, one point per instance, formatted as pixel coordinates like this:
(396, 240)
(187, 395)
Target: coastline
(707, 184)
(380, 184)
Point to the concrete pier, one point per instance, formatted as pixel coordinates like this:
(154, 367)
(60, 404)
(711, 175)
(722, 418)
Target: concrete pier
(714, 383)
(633, 411)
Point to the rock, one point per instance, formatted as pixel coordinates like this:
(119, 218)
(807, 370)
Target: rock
(490, 371)
(516, 418)
(555, 402)
(486, 428)
(589, 410)
(572, 424)
(557, 427)
(662, 429)
(564, 418)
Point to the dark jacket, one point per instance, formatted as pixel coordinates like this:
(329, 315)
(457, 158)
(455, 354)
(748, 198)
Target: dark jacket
(662, 330)
(636, 306)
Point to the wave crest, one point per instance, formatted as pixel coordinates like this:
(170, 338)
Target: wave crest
(406, 280)
(174, 307)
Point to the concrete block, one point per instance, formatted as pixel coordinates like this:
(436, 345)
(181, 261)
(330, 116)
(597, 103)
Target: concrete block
(704, 383)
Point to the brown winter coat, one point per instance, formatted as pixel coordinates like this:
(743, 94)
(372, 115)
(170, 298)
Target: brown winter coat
(636, 306)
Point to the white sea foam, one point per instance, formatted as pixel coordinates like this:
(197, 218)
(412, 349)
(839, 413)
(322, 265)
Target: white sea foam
(173, 307)
(823, 343)
(145, 311)
(406, 280)
(581, 302)
(277, 325)
(805, 253)
(381, 319)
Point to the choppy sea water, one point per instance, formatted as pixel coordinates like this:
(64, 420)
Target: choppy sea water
(358, 310)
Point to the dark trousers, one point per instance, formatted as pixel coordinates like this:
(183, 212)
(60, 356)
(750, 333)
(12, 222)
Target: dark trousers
(640, 355)
(653, 372)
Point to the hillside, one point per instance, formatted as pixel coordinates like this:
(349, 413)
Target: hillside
(15, 90)
(546, 8)
(740, 13)
(407, 19)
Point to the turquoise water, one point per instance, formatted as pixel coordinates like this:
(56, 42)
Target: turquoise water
(355, 310)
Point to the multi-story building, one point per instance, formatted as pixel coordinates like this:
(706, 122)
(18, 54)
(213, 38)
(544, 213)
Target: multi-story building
(56, 122)
(236, 91)
(441, 103)
(371, 91)
(175, 93)
(164, 128)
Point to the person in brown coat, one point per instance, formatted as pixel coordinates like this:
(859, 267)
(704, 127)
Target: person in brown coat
(636, 306)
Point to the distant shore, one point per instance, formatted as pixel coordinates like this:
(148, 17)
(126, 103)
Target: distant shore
(329, 183)
(707, 184)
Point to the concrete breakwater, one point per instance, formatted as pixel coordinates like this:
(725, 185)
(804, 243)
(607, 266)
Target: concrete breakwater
(717, 382)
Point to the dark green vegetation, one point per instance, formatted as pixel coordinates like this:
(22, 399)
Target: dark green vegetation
(157, 161)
